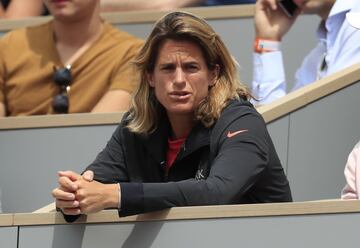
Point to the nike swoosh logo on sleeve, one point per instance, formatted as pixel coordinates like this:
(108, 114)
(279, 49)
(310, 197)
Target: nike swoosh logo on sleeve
(232, 134)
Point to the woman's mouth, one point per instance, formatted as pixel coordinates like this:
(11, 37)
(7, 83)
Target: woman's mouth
(180, 95)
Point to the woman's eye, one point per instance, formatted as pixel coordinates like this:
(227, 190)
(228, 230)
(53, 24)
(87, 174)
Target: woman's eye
(167, 68)
(192, 67)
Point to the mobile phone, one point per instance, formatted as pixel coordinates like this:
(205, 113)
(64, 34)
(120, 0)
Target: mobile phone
(288, 6)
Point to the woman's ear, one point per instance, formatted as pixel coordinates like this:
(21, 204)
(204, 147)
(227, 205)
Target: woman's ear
(214, 75)
(150, 79)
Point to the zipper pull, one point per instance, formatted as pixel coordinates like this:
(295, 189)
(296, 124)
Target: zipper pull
(163, 165)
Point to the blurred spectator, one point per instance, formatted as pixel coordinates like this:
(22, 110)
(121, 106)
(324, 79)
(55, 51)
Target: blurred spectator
(352, 168)
(14, 9)
(75, 63)
(352, 175)
(0, 202)
(122, 5)
(337, 48)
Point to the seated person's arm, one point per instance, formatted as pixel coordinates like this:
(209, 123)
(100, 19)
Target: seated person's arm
(2, 110)
(350, 190)
(113, 101)
(21, 9)
(78, 194)
(121, 83)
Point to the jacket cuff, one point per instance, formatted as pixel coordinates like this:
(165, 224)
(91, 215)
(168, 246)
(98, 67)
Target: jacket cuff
(132, 199)
(68, 218)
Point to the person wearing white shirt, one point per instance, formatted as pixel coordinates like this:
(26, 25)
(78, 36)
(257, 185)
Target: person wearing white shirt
(338, 45)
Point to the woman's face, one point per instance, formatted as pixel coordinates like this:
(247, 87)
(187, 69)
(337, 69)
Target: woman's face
(181, 78)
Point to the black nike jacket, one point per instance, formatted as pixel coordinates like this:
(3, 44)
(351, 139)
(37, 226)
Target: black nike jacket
(234, 162)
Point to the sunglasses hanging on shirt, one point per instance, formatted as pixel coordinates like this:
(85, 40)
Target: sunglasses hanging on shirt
(62, 77)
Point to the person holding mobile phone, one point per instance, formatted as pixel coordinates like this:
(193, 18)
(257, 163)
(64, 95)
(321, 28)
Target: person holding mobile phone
(337, 48)
(351, 190)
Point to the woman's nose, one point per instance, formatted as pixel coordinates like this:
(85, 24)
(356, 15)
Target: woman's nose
(179, 76)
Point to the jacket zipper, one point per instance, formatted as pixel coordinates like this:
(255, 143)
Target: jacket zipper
(163, 164)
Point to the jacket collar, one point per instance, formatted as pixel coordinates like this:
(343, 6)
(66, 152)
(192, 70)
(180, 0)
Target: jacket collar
(157, 142)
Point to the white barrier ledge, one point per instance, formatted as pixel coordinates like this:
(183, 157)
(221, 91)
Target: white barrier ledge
(201, 212)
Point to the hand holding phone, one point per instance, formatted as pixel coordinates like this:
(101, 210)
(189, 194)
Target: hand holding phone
(270, 20)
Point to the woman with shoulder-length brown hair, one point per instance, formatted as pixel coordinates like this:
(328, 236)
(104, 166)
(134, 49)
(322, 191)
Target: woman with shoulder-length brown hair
(190, 138)
(183, 26)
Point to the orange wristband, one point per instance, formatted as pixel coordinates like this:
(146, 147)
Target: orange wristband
(264, 45)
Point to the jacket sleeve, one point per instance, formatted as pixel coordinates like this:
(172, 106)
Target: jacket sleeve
(351, 168)
(242, 156)
(109, 165)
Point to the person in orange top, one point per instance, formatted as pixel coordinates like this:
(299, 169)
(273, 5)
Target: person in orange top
(73, 64)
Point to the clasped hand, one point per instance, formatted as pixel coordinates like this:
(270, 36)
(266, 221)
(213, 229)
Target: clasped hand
(80, 194)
